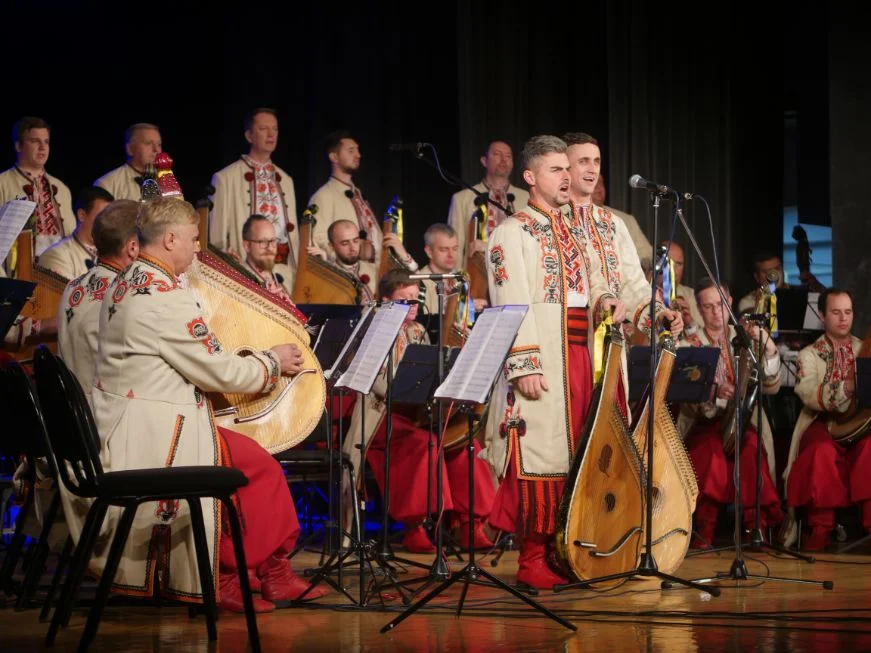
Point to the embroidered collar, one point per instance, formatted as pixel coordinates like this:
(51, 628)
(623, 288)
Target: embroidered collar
(91, 250)
(109, 265)
(160, 265)
(256, 165)
(556, 214)
(28, 176)
(498, 190)
(344, 183)
(139, 173)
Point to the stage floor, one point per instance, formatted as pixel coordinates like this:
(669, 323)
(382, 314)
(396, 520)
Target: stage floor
(639, 616)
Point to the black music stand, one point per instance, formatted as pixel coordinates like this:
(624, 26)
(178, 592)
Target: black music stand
(471, 382)
(14, 294)
(691, 379)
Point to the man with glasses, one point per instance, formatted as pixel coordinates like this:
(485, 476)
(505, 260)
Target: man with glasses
(702, 424)
(261, 246)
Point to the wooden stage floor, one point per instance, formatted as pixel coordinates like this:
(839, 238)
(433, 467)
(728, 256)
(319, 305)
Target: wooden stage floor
(639, 616)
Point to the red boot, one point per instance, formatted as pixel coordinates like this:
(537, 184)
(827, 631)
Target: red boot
(417, 541)
(279, 583)
(231, 595)
(482, 542)
(819, 539)
(532, 567)
(253, 580)
(703, 537)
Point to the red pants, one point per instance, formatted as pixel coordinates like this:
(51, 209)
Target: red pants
(827, 475)
(266, 510)
(525, 507)
(715, 474)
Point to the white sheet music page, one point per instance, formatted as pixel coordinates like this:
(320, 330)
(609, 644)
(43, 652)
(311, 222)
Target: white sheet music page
(13, 216)
(373, 351)
(328, 374)
(481, 358)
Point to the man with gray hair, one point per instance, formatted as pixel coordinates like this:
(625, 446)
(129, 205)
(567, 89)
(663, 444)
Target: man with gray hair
(541, 401)
(142, 143)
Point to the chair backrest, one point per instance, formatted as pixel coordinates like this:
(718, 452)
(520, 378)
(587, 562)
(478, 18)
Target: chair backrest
(69, 423)
(23, 430)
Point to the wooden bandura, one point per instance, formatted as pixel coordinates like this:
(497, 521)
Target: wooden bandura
(390, 225)
(318, 281)
(599, 524)
(675, 489)
(247, 317)
(855, 423)
(476, 263)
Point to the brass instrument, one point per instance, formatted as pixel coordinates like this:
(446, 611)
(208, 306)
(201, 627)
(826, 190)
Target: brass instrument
(675, 489)
(391, 224)
(247, 317)
(318, 281)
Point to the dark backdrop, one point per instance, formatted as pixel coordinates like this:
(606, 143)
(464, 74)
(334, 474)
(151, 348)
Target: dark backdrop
(680, 96)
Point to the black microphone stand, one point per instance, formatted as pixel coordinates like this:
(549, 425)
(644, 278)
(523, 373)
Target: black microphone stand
(647, 566)
(738, 569)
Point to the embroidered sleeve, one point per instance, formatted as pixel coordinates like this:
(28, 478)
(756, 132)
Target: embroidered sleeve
(522, 361)
(188, 345)
(813, 385)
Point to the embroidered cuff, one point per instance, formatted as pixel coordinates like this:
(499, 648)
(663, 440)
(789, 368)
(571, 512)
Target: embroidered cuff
(598, 311)
(271, 369)
(641, 319)
(523, 361)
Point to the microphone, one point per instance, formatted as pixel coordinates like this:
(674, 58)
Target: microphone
(773, 275)
(689, 196)
(435, 277)
(637, 181)
(414, 147)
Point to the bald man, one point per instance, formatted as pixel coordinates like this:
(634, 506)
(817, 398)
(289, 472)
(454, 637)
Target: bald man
(686, 298)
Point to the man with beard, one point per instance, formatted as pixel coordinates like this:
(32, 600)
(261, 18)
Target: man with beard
(260, 245)
(345, 241)
(340, 199)
(498, 161)
(143, 143)
(254, 184)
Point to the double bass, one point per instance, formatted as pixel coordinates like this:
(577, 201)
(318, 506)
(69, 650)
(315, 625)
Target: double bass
(599, 524)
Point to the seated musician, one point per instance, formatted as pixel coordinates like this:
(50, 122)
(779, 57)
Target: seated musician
(409, 445)
(344, 236)
(75, 254)
(822, 474)
(157, 359)
(702, 425)
(261, 247)
(441, 245)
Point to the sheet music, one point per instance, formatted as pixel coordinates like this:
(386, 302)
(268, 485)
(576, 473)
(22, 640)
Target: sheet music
(481, 358)
(360, 323)
(13, 216)
(373, 351)
(812, 320)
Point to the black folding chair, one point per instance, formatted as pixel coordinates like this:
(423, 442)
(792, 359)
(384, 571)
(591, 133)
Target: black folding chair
(71, 439)
(18, 440)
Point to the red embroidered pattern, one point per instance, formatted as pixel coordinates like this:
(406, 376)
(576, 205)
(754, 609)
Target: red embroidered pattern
(599, 229)
(497, 258)
(268, 200)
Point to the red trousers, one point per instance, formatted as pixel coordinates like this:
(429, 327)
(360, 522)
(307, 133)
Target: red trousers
(715, 474)
(827, 475)
(266, 510)
(530, 507)
(408, 474)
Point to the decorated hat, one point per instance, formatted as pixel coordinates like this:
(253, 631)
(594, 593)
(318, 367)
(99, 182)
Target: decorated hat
(159, 180)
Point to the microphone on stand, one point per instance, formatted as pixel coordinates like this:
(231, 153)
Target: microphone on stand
(435, 277)
(414, 147)
(637, 181)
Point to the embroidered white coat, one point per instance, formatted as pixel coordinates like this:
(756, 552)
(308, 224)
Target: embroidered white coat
(157, 358)
(526, 266)
(817, 389)
(121, 183)
(334, 205)
(12, 185)
(232, 205)
(68, 258)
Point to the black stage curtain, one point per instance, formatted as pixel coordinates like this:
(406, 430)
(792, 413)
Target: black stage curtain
(674, 96)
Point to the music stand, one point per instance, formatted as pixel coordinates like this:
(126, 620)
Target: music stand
(14, 294)
(691, 379)
(470, 382)
(320, 313)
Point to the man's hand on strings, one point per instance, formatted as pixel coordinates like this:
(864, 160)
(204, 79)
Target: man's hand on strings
(532, 386)
(289, 357)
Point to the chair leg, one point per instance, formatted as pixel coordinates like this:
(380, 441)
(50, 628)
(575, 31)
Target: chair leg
(13, 553)
(55, 580)
(78, 566)
(241, 565)
(37, 564)
(205, 568)
(112, 562)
